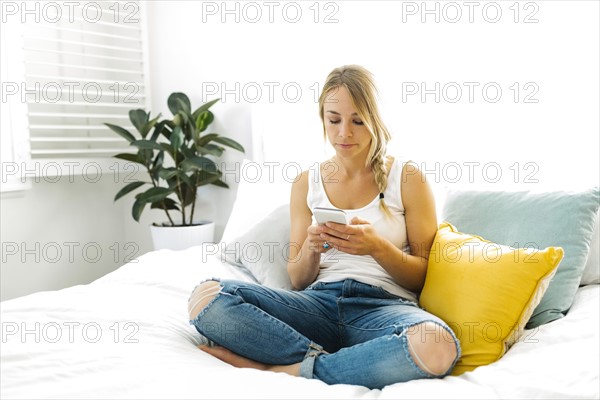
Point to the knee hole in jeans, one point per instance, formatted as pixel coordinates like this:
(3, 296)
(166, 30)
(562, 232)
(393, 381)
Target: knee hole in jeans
(202, 296)
(432, 348)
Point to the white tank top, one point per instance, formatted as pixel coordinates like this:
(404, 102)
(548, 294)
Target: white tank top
(337, 265)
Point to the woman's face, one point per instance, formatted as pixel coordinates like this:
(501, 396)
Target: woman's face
(345, 129)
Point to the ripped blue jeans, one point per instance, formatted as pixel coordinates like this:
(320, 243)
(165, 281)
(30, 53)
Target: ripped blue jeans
(341, 332)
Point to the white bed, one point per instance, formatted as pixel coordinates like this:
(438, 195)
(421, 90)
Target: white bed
(126, 335)
(159, 358)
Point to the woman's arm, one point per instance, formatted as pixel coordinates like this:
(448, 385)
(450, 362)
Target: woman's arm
(408, 270)
(304, 257)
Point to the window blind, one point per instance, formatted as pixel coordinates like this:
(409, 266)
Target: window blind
(83, 70)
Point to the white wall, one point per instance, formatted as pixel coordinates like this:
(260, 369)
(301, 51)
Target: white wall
(550, 55)
(547, 51)
(62, 233)
(183, 55)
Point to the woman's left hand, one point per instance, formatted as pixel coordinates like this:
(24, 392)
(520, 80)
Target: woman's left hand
(358, 238)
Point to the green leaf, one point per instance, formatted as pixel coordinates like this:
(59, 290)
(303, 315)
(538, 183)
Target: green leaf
(207, 138)
(158, 160)
(146, 155)
(189, 194)
(167, 173)
(184, 117)
(203, 108)
(121, 131)
(157, 165)
(200, 127)
(154, 173)
(158, 129)
(166, 147)
(128, 188)
(205, 178)
(178, 119)
(186, 179)
(214, 150)
(167, 203)
(204, 120)
(173, 184)
(209, 117)
(130, 157)
(182, 120)
(146, 144)
(229, 142)
(136, 210)
(220, 183)
(200, 163)
(138, 118)
(190, 131)
(148, 125)
(154, 194)
(179, 157)
(210, 149)
(187, 152)
(184, 106)
(177, 179)
(179, 102)
(176, 138)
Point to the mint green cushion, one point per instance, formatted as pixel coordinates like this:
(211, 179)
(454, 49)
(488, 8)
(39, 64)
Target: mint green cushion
(539, 220)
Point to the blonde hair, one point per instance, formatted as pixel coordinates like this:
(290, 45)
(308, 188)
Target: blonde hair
(360, 85)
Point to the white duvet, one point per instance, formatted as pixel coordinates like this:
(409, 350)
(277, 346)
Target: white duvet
(126, 335)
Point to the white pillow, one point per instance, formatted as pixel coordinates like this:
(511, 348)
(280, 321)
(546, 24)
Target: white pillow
(591, 273)
(264, 249)
(262, 187)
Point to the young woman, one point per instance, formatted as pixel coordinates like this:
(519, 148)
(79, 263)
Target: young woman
(353, 318)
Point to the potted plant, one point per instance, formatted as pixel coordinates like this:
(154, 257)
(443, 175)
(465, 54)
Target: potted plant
(177, 156)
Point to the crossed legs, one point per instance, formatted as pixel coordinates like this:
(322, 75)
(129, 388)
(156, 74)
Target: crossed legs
(421, 342)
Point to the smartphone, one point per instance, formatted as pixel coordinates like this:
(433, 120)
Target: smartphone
(323, 215)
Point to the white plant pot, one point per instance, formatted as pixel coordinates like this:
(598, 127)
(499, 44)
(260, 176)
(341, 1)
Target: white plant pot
(182, 237)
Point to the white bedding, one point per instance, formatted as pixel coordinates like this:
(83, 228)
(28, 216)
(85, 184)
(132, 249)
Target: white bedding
(558, 360)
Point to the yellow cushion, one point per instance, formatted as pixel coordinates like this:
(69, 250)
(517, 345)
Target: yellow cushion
(484, 291)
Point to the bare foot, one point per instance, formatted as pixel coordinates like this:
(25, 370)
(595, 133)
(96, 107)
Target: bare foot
(238, 361)
(232, 358)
